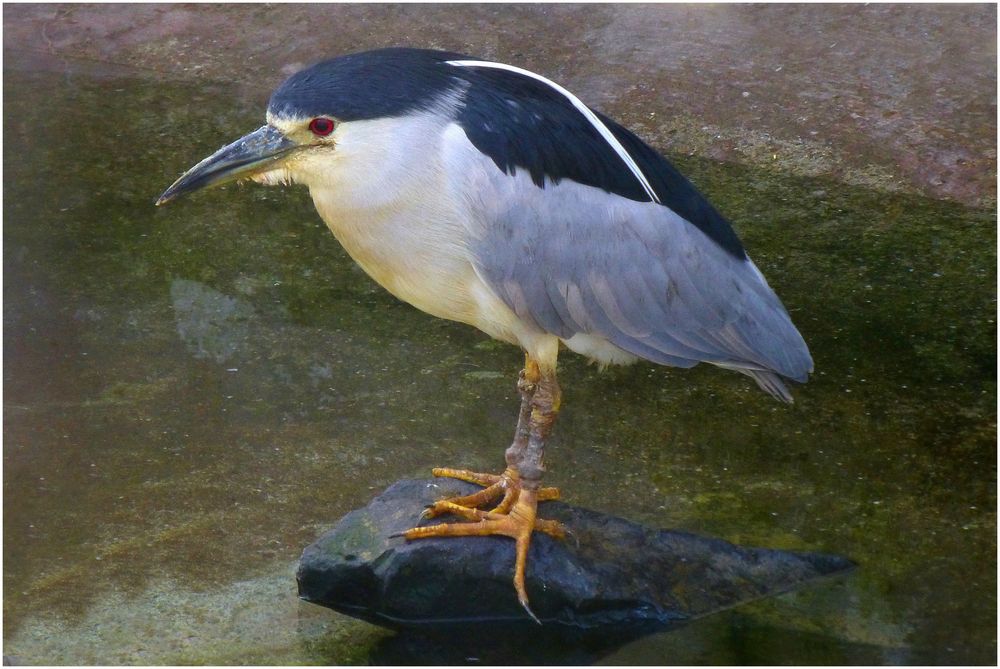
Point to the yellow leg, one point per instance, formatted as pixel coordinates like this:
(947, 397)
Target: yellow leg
(518, 525)
(506, 485)
(466, 475)
(552, 528)
(517, 488)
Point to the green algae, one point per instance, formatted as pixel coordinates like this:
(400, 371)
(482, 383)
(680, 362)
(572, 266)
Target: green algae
(132, 461)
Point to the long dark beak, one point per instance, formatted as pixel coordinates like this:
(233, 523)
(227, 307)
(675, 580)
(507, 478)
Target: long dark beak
(247, 155)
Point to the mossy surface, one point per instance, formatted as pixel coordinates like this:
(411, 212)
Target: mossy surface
(193, 393)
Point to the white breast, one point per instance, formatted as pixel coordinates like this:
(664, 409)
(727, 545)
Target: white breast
(388, 202)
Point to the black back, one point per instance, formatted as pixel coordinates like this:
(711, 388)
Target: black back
(519, 122)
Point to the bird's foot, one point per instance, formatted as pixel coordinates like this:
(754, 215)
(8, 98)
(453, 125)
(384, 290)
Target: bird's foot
(514, 517)
(504, 487)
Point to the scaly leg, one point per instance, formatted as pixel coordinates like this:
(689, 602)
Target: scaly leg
(520, 484)
(506, 486)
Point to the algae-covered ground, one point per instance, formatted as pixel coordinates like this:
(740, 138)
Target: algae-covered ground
(193, 393)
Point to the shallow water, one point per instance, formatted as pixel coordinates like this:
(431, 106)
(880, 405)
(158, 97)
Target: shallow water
(193, 393)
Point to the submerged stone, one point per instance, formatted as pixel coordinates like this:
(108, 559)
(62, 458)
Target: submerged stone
(609, 575)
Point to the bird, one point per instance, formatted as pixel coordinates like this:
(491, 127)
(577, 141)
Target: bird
(487, 194)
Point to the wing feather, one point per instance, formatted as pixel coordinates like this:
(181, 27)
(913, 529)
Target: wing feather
(573, 258)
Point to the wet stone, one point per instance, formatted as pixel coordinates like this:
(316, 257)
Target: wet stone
(609, 576)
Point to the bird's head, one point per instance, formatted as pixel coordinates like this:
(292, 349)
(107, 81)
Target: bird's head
(327, 114)
(280, 152)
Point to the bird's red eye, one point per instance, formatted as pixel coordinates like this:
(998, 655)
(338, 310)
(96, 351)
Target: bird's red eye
(321, 126)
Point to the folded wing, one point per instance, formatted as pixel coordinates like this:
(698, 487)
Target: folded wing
(567, 238)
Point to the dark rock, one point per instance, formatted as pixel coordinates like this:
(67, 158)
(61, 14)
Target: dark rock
(610, 575)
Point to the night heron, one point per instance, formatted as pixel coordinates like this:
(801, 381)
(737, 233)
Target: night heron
(486, 194)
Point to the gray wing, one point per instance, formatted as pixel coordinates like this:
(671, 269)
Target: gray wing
(576, 259)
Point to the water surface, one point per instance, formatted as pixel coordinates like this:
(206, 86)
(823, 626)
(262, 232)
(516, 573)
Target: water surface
(193, 393)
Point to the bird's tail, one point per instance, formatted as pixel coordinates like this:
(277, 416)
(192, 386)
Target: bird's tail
(770, 383)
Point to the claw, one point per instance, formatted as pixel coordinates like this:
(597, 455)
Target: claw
(571, 533)
(514, 517)
(524, 603)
